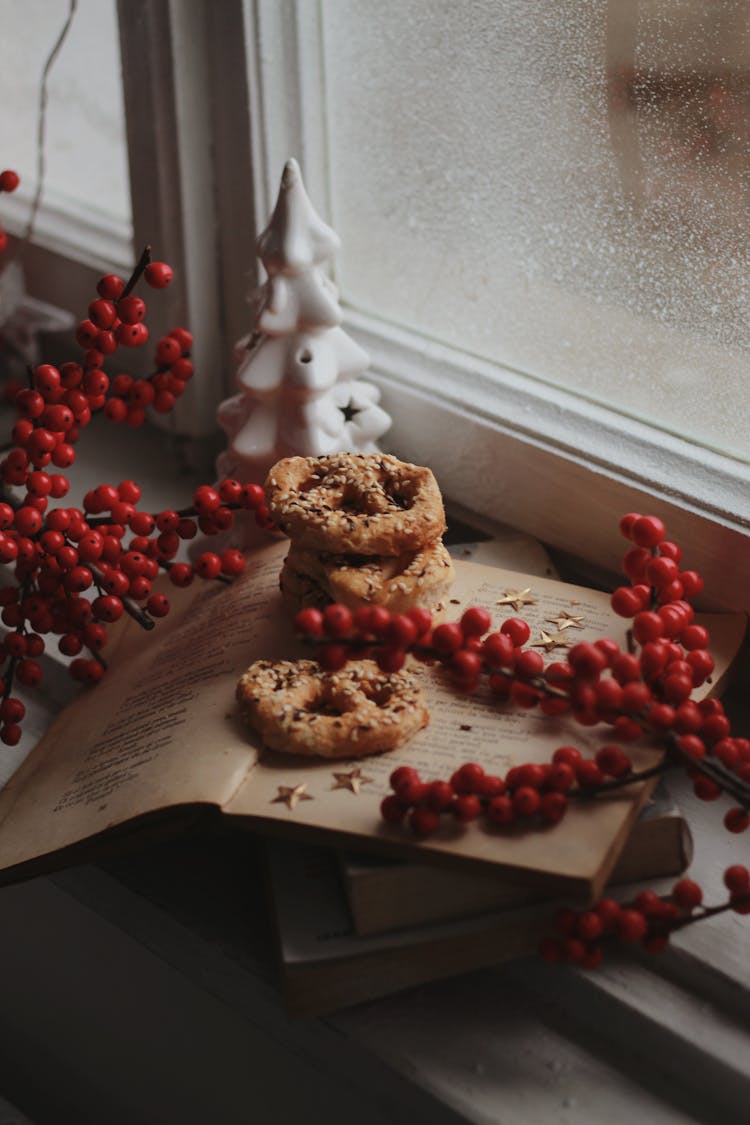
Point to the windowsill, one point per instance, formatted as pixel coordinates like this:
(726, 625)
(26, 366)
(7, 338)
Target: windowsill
(526, 1042)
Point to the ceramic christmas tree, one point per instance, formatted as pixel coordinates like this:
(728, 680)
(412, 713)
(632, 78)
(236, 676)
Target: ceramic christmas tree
(297, 371)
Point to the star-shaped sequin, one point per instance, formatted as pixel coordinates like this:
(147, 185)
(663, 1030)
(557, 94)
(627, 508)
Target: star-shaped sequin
(353, 780)
(550, 641)
(565, 620)
(517, 598)
(291, 795)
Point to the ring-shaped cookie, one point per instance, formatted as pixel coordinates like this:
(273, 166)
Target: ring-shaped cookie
(355, 503)
(297, 708)
(397, 582)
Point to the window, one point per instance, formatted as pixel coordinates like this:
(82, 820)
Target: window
(537, 246)
(85, 207)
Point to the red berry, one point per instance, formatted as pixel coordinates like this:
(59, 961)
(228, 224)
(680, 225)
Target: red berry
(423, 821)
(687, 894)
(107, 607)
(181, 574)
(448, 637)
(103, 313)
(631, 925)
(553, 806)
(9, 180)
(518, 631)
(158, 605)
(588, 774)
(87, 334)
(587, 660)
(625, 601)
(29, 672)
(736, 877)
(168, 351)
(337, 620)
(110, 286)
(401, 631)
(10, 733)
(12, 710)
(736, 820)
(500, 810)
(253, 496)
(528, 664)
(183, 338)
(466, 807)
(648, 531)
(439, 795)
(158, 275)
(692, 583)
(475, 622)
(232, 562)
(467, 778)
(526, 801)
(627, 522)
(208, 565)
(332, 658)
(392, 810)
(131, 310)
(206, 499)
(132, 335)
(466, 667)
(498, 650)
(402, 774)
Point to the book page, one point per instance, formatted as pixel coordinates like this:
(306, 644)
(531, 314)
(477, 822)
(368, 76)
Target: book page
(580, 851)
(160, 730)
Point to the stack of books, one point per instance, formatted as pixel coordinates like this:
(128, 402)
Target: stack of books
(351, 927)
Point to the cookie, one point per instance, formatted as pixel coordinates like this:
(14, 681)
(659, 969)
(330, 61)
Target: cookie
(352, 503)
(297, 708)
(397, 582)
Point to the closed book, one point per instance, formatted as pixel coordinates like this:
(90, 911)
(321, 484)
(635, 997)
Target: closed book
(390, 895)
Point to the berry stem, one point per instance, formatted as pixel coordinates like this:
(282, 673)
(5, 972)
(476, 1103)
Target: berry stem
(137, 273)
(131, 607)
(590, 791)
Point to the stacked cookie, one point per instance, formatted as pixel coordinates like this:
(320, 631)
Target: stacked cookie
(365, 529)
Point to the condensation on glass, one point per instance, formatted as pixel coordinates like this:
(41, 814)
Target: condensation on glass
(86, 155)
(561, 186)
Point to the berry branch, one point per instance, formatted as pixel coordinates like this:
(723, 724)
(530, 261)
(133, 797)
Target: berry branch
(645, 689)
(77, 570)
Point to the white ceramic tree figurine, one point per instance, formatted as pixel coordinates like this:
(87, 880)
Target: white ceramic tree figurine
(298, 371)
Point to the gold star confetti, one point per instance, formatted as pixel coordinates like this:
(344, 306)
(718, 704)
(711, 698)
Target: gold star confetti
(291, 795)
(517, 598)
(550, 641)
(565, 620)
(353, 780)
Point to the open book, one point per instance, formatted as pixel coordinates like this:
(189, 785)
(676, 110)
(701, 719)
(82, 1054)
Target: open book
(161, 736)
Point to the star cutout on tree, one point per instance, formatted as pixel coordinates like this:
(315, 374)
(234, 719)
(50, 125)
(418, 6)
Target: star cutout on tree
(350, 411)
(353, 780)
(550, 641)
(291, 795)
(565, 620)
(517, 598)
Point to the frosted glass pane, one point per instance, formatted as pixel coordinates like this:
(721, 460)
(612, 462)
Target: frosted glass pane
(85, 148)
(562, 186)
